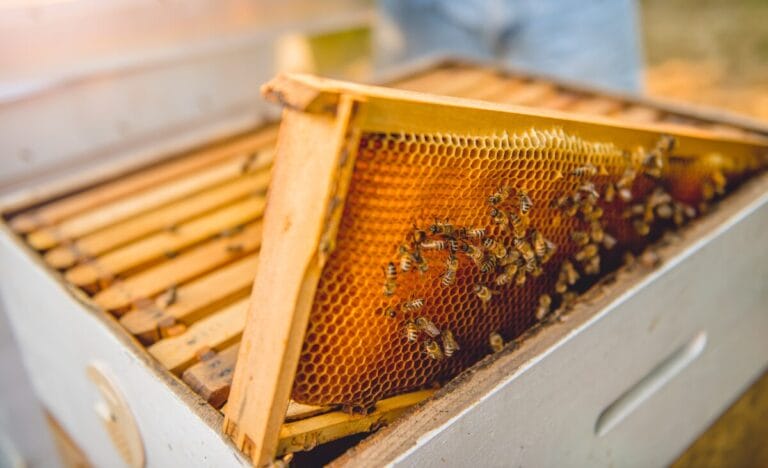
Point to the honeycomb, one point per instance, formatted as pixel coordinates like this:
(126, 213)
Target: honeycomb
(362, 345)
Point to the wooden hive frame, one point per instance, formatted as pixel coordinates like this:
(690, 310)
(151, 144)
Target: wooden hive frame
(322, 123)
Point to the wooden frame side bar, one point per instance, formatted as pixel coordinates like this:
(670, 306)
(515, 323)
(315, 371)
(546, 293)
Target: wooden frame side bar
(315, 153)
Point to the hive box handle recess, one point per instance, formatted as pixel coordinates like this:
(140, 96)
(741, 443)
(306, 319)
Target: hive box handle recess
(631, 399)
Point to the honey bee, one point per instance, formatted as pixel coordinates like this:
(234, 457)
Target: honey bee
(170, 296)
(592, 265)
(625, 195)
(545, 302)
(549, 250)
(560, 286)
(585, 171)
(513, 256)
(633, 211)
(580, 237)
(610, 193)
(589, 251)
(411, 331)
(524, 202)
(678, 216)
(450, 345)
(641, 227)
(589, 189)
(707, 191)
(406, 259)
(496, 342)
(488, 264)
(501, 194)
(596, 214)
(519, 225)
(484, 293)
(413, 305)
(421, 263)
(658, 197)
(520, 278)
(664, 211)
(568, 273)
(474, 253)
(507, 275)
(427, 327)
(442, 227)
(596, 231)
(390, 279)
(499, 218)
(453, 246)
(666, 143)
(434, 245)
(627, 179)
(609, 241)
(654, 160)
(475, 233)
(539, 243)
(720, 182)
(532, 266)
(569, 298)
(495, 247)
(525, 249)
(432, 349)
(452, 266)
(418, 235)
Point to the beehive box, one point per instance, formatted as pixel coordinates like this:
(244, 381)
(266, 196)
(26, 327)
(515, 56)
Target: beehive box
(152, 270)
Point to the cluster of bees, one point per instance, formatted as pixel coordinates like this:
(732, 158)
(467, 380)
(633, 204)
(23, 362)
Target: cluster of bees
(441, 236)
(582, 204)
(521, 250)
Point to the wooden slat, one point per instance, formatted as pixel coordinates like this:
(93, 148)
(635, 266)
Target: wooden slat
(163, 243)
(307, 433)
(176, 271)
(58, 210)
(170, 215)
(596, 106)
(424, 82)
(530, 95)
(215, 332)
(491, 89)
(452, 82)
(298, 411)
(559, 101)
(132, 205)
(212, 377)
(639, 114)
(193, 300)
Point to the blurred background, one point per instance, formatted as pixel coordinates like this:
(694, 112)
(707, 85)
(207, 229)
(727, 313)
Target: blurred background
(85, 83)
